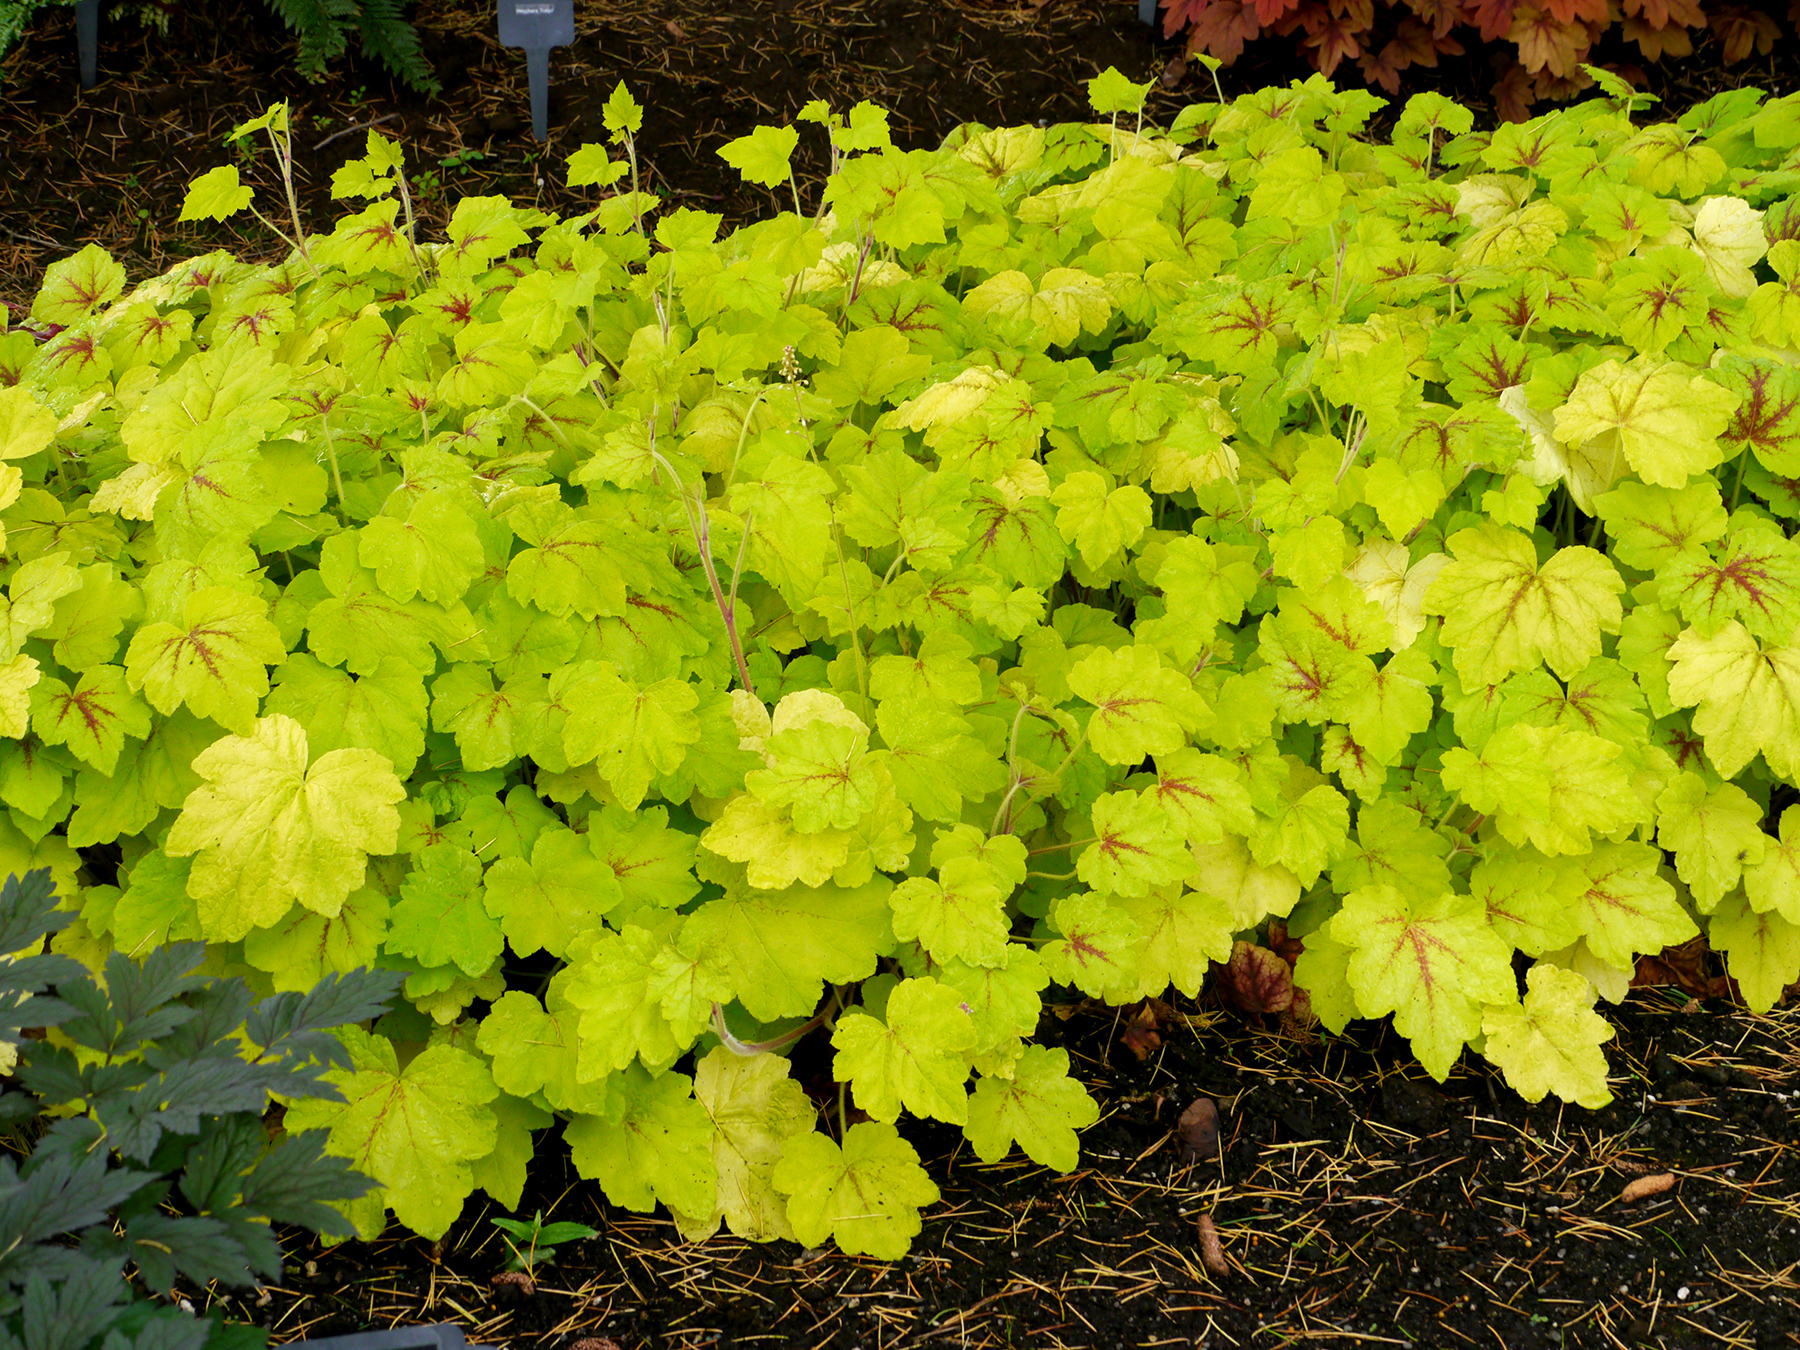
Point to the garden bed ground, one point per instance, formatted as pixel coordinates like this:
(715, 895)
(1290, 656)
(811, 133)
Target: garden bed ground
(1356, 1202)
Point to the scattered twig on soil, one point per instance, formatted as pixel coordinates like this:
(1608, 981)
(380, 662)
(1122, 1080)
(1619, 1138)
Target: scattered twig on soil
(357, 126)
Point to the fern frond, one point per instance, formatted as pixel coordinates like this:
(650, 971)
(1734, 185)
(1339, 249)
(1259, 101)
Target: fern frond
(323, 27)
(15, 17)
(387, 36)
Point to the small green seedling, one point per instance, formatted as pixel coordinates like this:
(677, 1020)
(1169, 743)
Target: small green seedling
(461, 160)
(537, 1241)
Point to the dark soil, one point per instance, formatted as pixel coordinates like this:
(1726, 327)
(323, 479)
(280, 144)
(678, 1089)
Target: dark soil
(1354, 1201)
(110, 165)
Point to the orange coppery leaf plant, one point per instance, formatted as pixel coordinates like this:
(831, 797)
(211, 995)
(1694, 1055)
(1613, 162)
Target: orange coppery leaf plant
(1552, 39)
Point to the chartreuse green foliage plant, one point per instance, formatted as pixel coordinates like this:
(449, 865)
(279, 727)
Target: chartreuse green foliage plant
(139, 1109)
(1049, 559)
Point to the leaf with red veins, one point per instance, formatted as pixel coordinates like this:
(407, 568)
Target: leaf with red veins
(1755, 579)
(1256, 979)
(1136, 847)
(1767, 419)
(1096, 951)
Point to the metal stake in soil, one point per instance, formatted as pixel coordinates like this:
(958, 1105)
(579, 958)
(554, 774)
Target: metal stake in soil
(537, 26)
(87, 40)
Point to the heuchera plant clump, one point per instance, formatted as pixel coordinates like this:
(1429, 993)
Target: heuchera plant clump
(1056, 559)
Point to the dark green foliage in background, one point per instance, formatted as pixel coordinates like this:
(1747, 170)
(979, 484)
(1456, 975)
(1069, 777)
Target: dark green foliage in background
(324, 28)
(143, 1134)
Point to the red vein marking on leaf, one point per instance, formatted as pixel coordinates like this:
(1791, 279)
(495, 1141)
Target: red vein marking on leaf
(1660, 298)
(1563, 294)
(93, 713)
(1497, 909)
(81, 348)
(1517, 312)
(201, 480)
(1530, 157)
(1182, 787)
(1759, 416)
(1338, 634)
(997, 512)
(475, 359)
(951, 598)
(89, 296)
(462, 248)
(385, 346)
(153, 326)
(914, 317)
(495, 701)
(1083, 949)
(458, 308)
(556, 544)
(1715, 319)
(252, 323)
(1742, 575)
(1436, 206)
(1312, 684)
(394, 1094)
(1495, 372)
(1116, 707)
(193, 638)
(623, 867)
(1599, 895)
(316, 402)
(1111, 386)
(1354, 751)
(1012, 411)
(1406, 266)
(375, 606)
(1419, 939)
(1247, 316)
(1670, 534)
(1581, 701)
(376, 235)
(1113, 845)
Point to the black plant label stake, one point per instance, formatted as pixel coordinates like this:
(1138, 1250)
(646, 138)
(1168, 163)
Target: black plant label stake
(87, 40)
(537, 26)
